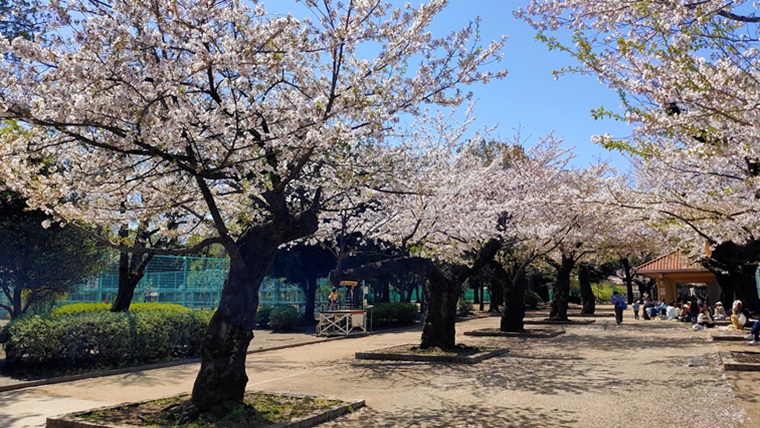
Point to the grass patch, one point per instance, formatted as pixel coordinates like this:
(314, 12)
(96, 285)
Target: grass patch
(259, 410)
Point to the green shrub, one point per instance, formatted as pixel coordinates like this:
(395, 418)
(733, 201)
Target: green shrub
(283, 317)
(464, 307)
(532, 299)
(102, 338)
(262, 315)
(394, 313)
(77, 308)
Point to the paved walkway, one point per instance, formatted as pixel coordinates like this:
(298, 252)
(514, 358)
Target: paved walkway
(601, 375)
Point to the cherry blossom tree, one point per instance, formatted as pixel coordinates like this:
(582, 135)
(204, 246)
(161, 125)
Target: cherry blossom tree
(687, 75)
(439, 217)
(217, 119)
(583, 225)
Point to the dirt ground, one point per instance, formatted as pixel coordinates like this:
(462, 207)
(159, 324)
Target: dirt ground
(641, 373)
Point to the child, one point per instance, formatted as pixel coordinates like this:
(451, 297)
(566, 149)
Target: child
(636, 306)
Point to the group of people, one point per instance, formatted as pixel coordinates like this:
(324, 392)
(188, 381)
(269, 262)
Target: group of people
(694, 310)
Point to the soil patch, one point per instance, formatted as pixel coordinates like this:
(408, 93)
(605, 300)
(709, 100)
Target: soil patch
(259, 410)
(533, 333)
(550, 321)
(462, 354)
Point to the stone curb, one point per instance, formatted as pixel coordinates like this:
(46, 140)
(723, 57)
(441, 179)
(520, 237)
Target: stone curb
(731, 364)
(73, 420)
(473, 359)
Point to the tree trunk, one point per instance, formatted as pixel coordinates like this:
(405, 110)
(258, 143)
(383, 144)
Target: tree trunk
(310, 299)
(384, 292)
(497, 289)
(17, 298)
(746, 287)
(221, 380)
(727, 288)
(513, 286)
(482, 296)
(440, 317)
(561, 289)
(627, 278)
(740, 262)
(131, 271)
(587, 293)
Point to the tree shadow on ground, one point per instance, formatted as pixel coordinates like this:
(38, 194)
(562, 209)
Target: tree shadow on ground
(457, 415)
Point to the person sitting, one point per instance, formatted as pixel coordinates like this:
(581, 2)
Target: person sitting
(684, 316)
(738, 319)
(720, 311)
(662, 307)
(704, 320)
(654, 310)
(671, 312)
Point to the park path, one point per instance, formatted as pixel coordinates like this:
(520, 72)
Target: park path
(600, 375)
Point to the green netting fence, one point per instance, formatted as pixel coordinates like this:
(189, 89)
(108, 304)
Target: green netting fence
(194, 282)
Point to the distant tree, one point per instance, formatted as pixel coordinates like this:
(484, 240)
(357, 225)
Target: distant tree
(37, 263)
(304, 264)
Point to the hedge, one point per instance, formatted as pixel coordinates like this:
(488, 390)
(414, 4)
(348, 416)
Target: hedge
(77, 308)
(103, 338)
(394, 313)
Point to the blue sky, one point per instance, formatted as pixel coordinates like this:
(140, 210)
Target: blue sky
(530, 97)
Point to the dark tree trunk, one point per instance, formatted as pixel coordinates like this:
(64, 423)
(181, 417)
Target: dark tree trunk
(627, 278)
(727, 289)
(746, 287)
(440, 317)
(17, 303)
(131, 271)
(561, 289)
(587, 294)
(310, 298)
(475, 292)
(482, 297)
(740, 264)
(513, 286)
(384, 292)
(497, 290)
(221, 380)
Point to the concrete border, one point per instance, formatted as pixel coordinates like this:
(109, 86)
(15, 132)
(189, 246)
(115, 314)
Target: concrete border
(554, 322)
(538, 333)
(470, 359)
(730, 363)
(74, 420)
(723, 336)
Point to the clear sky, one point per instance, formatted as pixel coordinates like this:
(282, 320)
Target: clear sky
(530, 97)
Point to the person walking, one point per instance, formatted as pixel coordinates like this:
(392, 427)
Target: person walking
(636, 307)
(619, 302)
